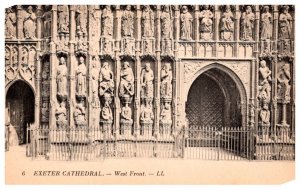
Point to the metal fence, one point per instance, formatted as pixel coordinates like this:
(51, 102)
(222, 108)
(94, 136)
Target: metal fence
(196, 142)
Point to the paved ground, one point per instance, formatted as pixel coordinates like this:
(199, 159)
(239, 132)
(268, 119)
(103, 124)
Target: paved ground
(23, 170)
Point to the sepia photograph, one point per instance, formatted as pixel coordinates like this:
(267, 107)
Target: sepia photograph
(149, 93)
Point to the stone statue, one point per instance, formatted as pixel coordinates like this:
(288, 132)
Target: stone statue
(95, 18)
(79, 114)
(81, 19)
(165, 114)
(166, 22)
(106, 113)
(106, 79)
(206, 23)
(61, 77)
(10, 23)
(29, 24)
(126, 114)
(265, 114)
(266, 24)
(227, 24)
(264, 85)
(147, 82)
(107, 21)
(45, 112)
(147, 115)
(47, 17)
(285, 24)
(148, 22)
(127, 80)
(127, 22)
(166, 81)
(186, 20)
(283, 79)
(247, 24)
(63, 18)
(61, 115)
(81, 78)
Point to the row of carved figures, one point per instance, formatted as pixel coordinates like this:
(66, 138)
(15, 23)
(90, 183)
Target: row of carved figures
(103, 86)
(206, 16)
(264, 89)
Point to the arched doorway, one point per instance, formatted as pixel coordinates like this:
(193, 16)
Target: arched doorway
(214, 100)
(20, 107)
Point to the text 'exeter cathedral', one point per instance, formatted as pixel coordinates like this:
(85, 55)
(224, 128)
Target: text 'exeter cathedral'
(149, 67)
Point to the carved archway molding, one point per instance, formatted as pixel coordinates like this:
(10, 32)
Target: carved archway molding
(192, 70)
(10, 83)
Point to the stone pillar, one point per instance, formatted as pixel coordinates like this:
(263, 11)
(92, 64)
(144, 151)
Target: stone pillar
(196, 29)
(38, 67)
(216, 30)
(176, 29)
(237, 30)
(71, 66)
(53, 66)
(275, 29)
(19, 22)
(256, 63)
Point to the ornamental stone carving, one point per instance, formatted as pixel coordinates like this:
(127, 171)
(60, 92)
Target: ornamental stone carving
(247, 24)
(166, 22)
(127, 81)
(266, 24)
(81, 19)
(227, 24)
(81, 78)
(285, 24)
(147, 115)
(80, 115)
(147, 82)
(127, 22)
(61, 78)
(95, 82)
(28, 64)
(284, 77)
(45, 112)
(265, 115)
(264, 82)
(206, 23)
(106, 112)
(47, 20)
(95, 21)
(186, 21)
(148, 22)
(10, 23)
(63, 19)
(29, 26)
(165, 119)
(107, 21)
(106, 79)
(166, 81)
(61, 115)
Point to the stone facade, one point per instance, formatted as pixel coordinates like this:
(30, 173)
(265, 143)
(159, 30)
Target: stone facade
(131, 67)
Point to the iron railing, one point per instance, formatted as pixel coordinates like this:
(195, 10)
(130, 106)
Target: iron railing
(195, 142)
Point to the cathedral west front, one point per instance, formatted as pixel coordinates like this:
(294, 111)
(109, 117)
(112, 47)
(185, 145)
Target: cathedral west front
(158, 77)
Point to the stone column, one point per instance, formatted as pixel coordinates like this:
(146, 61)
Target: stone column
(71, 66)
(53, 66)
(216, 30)
(196, 29)
(19, 22)
(176, 29)
(237, 30)
(275, 29)
(38, 67)
(256, 63)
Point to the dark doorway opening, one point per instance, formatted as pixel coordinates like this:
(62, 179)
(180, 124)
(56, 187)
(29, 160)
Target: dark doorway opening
(20, 106)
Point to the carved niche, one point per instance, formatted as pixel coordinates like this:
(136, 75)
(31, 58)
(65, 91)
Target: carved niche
(94, 101)
(127, 22)
(147, 22)
(283, 82)
(147, 93)
(285, 23)
(107, 22)
(47, 20)
(227, 24)
(28, 57)
(45, 78)
(63, 19)
(166, 19)
(126, 92)
(80, 75)
(81, 20)
(10, 23)
(61, 78)
(247, 24)
(186, 24)
(94, 22)
(206, 23)
(29, 23)
(61, 115)
(80, 115)
(266, 24)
